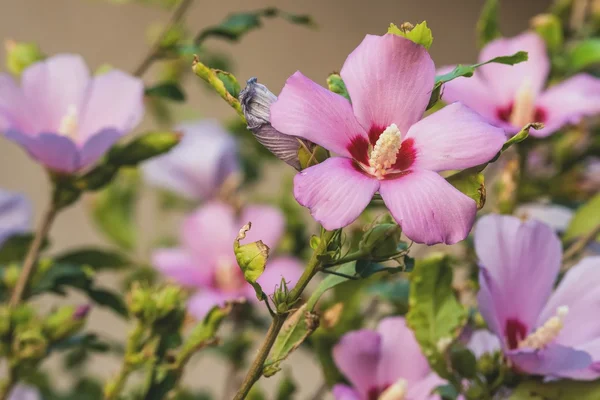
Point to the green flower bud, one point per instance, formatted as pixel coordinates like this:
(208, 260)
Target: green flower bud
(19, 56)
(30, 344)
(280, 297)
(65, 321)
(141, 304)
(142, 148)
(381, 241)
(168, 301)
(11, 275)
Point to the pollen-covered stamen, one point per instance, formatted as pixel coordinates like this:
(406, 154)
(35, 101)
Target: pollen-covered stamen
(395, 392)
(385, 151)
(69, 123)
(523, 110)
(545, 334)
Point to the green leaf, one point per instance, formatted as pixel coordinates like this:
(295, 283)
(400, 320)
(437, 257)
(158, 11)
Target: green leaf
(142, 148)
(287, 387)
(584, 54)
(108, 299)
(420, 33)
(471, 184)
(366, 268)
(435, 316)
(167, 90)
(237, 25)
(296, 329)
(463, 361)
(98, 259)
(550, 29)
(336, 84)
(229, 80)
(348, 269)
(468, 71)
(252, 259)
(113, 209)
(559, 390)
(15, 248)
(487, 25)
(585, 220)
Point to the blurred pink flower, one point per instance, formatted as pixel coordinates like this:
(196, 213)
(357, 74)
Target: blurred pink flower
(205, 260)
(24, 392)
(512, 96)
(198, 166)
(382, 143)
(63, 117)
(542, 330)
(386, 363)
(15, 214)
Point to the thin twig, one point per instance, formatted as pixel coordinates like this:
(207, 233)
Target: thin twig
(579, 245)
(32, 254)
(153, 53)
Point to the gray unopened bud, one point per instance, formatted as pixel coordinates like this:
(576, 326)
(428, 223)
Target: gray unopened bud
(256, 100)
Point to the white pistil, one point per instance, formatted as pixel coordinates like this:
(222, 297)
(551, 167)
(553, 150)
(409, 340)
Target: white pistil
(395, 392)
(385, 151)
(545, 334)
(69, 123)
(523, 110)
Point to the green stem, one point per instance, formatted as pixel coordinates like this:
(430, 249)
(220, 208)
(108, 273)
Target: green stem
(313, 266)
(113, 388)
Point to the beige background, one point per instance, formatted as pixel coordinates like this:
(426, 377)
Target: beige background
(116, 34)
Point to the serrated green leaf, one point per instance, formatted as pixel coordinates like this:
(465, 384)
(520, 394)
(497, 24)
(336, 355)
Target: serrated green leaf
(468, 71)
(487, 25)
(113, 209)
(584, 54)
(95, 258)
(167, 90)
(559, 390)
(252, 259)
(586, 219)
(420, 34)
(435, 316)
(471, 184)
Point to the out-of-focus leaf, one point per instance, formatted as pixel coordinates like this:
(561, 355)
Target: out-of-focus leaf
(487, 25)
(584, 54)
(471, 184)
(113, 209)
(296, 329)
(98, 259)
(238, 24)
(420, 33)
(586, 219)
(468, 71)
(435, 315)
(550, 29)
(287, 387)
(15, 248)
(142, 148)
(167, 90)
(558, 390)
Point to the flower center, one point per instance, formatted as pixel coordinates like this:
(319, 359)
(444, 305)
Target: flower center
(395, 392)
(385, 151)
(228, 276)
(68, 123)
(545, 334)
(523, 110)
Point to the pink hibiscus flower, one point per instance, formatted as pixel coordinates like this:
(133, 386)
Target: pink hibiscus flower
(383, 144)
(206, 261)
(512, 96)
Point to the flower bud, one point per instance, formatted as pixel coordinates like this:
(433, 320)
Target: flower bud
(65, 321)
(169, 301)
(30, 344)
(280, 297)
(140, 303)
(19, 56)
(381, 241)
(143, 147)
(549, 27)
(11, 275)
(256, 100)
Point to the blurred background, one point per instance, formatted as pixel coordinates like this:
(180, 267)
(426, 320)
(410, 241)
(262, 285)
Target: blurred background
(106, 32)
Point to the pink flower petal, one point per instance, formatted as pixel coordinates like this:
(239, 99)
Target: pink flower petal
(399, 362)
(428, 208)
(454, 138)
(210, 231)
(114, 100)
(553, 361)
(474, 92)
(506, 80)
(568, 102)
(357, 356)
(580, 291)
(519, 264)
(55, 152)
(422, 389)
(183, 267)
(343, 392)
(55, 86)
(310, 111)
(268, 224)
(281, 267)
(389, 79)
(97, 145)
(14, 108)
(201, 303)
(15, 214)
(483, 342)
(334, 191)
